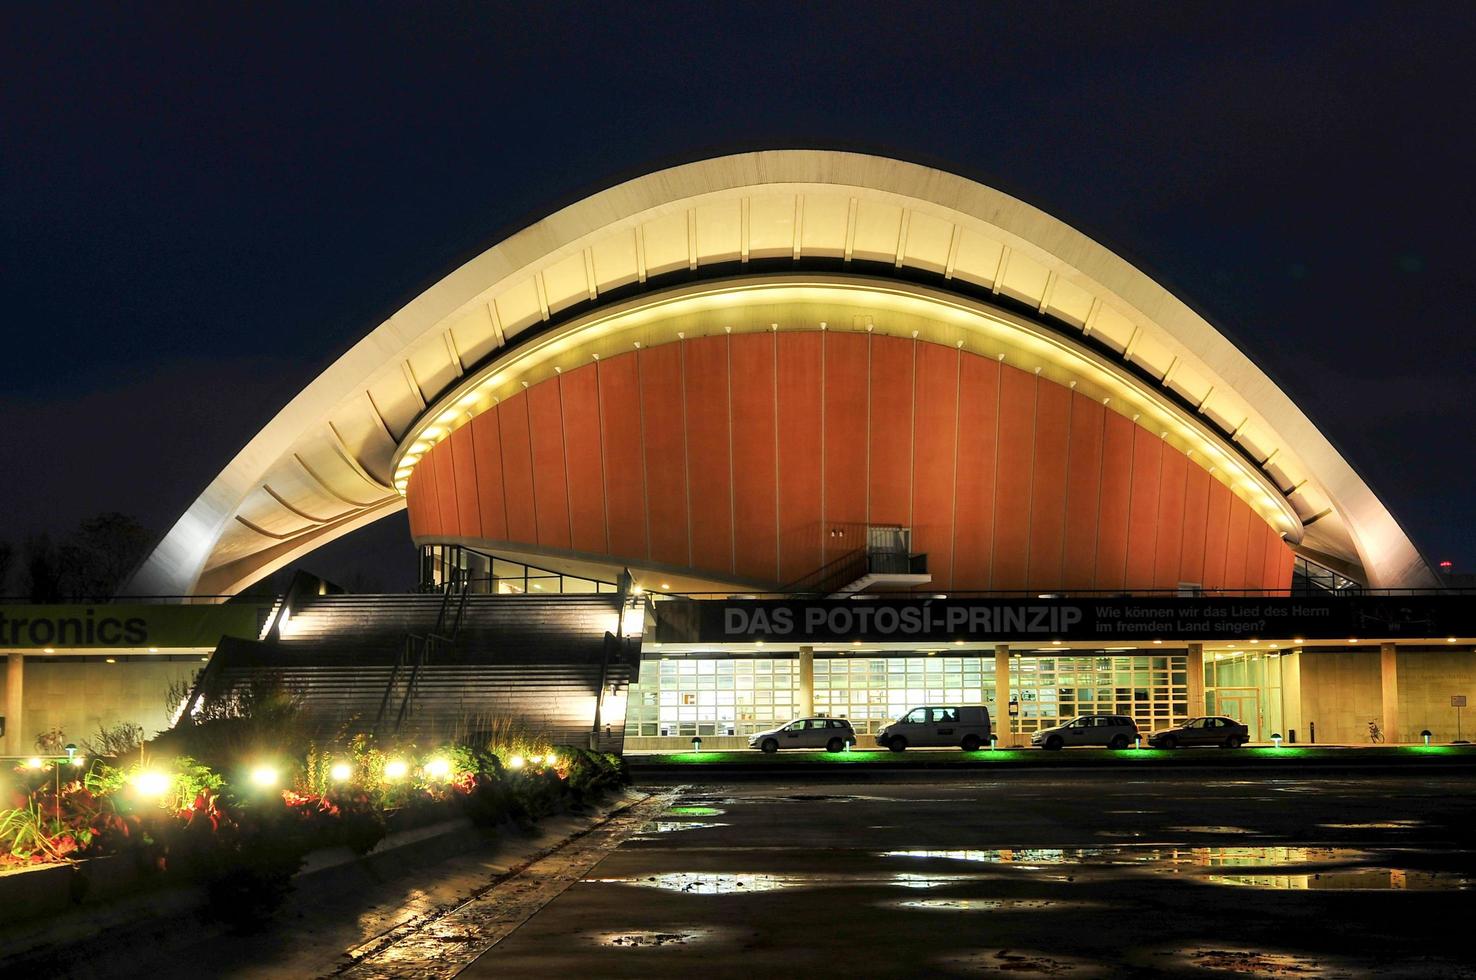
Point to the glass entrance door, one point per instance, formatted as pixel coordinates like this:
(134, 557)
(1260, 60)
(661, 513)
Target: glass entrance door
(1241, 703)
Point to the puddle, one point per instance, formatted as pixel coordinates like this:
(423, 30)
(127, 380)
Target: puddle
(722, 883)
(1011, 855)
(1351, 879)
(1017, 962)
(1261, 963)
(1205, 829)
(703, 883)
(639, 940)
(694, 811)
(669, 826)
(1375, 825)
(986, 904)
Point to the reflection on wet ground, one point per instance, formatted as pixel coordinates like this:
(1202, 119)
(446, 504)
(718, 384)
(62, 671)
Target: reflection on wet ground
(726, 883)
(670, 826)
(988, 904)
(1377, 879)
(982, 878)
(1261, 963)
(694, 811)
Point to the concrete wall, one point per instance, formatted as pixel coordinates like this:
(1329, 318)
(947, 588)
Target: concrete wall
(1340, 694)
(79, 696)
(1427, 679)
(1291, 697)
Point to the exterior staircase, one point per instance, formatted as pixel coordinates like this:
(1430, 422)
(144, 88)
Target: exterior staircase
(412, 665)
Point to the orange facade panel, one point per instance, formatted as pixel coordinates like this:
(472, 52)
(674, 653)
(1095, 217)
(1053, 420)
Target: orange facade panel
(709, 469)
(445, 473)
(1048, 486)
(890, 478)
(1255, 554)
(464, 464)
(663, 424)
(978, 437)
(550, 482)
(491, 507)
(755, 513)
(762, 456)
(847, 369)
(798, 373)
(1083, 491)
(1112, 516)
(1196, 513)
(517, 469)
(624, 458)
(934, 441)
(579, 396)
(1143, 509)
(1171, 496)
(1235, 543)
(1216, 534)
(1013, 487)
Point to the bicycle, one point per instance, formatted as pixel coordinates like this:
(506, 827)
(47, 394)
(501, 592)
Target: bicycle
(1375, 734)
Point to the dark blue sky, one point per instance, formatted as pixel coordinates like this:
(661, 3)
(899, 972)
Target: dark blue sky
(201, 208)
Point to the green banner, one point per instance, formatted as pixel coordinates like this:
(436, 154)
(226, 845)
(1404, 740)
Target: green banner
(116, 626)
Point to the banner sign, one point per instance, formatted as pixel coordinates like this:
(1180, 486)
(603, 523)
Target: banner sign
(139, 625)
(1121, 620)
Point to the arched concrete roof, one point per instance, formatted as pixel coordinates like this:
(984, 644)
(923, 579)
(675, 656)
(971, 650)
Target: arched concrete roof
(327, 463)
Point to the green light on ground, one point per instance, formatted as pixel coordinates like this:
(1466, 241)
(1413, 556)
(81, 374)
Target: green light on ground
(695, 811)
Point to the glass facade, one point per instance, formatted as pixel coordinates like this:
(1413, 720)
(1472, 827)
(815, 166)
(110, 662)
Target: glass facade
(711, 694)
(1152, 690)
(482, 574)
(1247, 687)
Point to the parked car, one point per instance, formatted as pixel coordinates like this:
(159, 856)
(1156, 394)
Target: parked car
(1218, 730)
(963, 725)
(1102, 731)
(830, 734)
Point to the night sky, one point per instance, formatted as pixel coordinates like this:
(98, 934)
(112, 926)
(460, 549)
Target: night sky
(201, 208)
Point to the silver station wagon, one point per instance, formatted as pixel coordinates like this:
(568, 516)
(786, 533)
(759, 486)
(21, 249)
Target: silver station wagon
(830, 734)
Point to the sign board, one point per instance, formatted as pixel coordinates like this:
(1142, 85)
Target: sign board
(127, 625)
(1457, 700)
(1128, 620)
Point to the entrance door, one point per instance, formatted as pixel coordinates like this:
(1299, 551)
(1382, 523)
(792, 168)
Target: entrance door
(1241, 703)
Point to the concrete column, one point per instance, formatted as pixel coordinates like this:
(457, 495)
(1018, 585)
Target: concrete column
(1004, 725)
(1195, 679)
(806, 681)
(1389, 676)
(15, 665)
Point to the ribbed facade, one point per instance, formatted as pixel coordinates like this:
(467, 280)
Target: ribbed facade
(738, 457)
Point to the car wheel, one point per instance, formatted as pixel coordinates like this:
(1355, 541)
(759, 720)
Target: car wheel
(834, 745)
(1119, 742)
(770, 745)
(897, 744)
(1169, 743)
(971, 743)
(1232, 742)
(1054, 743)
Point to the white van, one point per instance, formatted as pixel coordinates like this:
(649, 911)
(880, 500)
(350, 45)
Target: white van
(966, 726)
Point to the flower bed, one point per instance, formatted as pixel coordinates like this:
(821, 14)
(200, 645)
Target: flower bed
(234, 807)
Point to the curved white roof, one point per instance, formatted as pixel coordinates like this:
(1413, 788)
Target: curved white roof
(325, 464)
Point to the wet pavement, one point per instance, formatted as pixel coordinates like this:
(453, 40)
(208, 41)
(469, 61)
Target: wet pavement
(1050, 874)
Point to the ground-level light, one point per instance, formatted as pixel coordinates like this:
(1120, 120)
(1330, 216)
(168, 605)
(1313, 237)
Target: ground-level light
(1276, 739)
(696, 743)
(395, 769)
(34, 763)
(993, 741)
(439, 768)
(264, 777)
(151, 783)
(551, 759)
(1426, 736)
(1137, 741)
(516, 762)
(341, 772)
